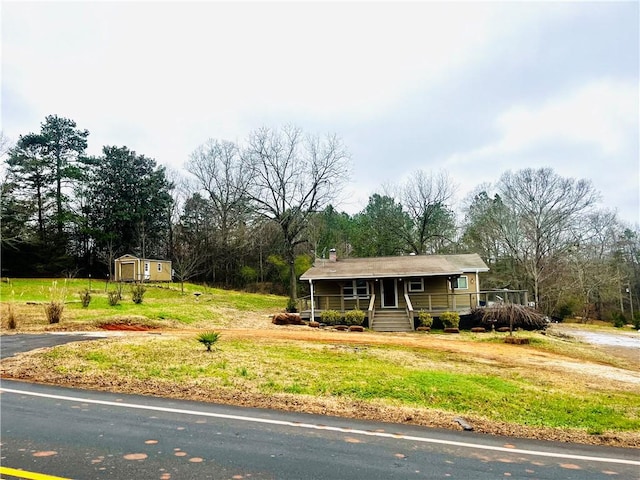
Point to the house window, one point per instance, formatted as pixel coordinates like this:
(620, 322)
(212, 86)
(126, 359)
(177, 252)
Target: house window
(416, 284)
(359, 288)
(460, 283)
(159, 267)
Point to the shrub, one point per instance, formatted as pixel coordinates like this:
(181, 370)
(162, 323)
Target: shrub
(354, 317)
(566, 309)
(12, 321)
(291, 306)
(53, 310)
(248, 274)
(450, 319)
(331, 317)
(137, 292)
(425, 319)
(619, 319)
(113, 297)
(85, 297)
(208, 339)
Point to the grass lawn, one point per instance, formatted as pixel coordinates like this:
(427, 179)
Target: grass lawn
(163, 302)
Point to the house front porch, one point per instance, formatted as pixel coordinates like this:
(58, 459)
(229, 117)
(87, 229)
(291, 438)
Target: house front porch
(396, 319)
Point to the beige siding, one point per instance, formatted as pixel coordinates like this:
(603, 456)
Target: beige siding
(130, 269)
(328, 296)
(163, 275)
(435, 289)
(466, 297)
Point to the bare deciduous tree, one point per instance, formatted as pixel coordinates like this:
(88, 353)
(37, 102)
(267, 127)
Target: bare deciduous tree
(426, 198)
(542, 218)
(220, 172)
(594, 274)
(292, 176)
(189, 259)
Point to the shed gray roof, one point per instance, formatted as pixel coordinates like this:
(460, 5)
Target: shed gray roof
(405, 266)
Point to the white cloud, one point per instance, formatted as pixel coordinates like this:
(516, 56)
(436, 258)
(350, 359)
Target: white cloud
(599, 115)
(597, 124)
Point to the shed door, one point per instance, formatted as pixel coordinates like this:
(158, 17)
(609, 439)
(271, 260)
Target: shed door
(389, 293)
(126, 271)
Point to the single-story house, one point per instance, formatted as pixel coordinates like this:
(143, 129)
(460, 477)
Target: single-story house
(392, 290)
(129, 268)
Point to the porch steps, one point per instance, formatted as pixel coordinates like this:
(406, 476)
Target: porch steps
(391, 321)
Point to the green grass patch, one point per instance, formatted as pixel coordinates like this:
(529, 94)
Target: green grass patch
(163, 301)
(392, 375)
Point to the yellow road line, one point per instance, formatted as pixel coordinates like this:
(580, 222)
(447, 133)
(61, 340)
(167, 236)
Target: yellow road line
(14, 472)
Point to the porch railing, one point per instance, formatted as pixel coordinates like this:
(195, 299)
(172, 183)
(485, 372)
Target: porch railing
(431, 302)
(409, 309)
(371, 311)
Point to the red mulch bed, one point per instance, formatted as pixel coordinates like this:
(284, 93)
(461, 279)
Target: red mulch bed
(132, 328)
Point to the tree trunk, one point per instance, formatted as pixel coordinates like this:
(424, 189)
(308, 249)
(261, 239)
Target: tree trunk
(293, 281)
(59, 223)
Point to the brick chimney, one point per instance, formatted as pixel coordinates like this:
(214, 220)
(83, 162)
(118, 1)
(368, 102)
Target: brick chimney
(332, 255)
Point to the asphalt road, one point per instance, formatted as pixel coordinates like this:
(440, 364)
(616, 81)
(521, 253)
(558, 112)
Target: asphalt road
(12, 344)
(82, 434)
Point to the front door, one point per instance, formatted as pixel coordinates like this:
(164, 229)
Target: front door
(389, 293)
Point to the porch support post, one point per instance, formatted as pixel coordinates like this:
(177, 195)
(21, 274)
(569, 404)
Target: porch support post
(477, 302)
(313, 309)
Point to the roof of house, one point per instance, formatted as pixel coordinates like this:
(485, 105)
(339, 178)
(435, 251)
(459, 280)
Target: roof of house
(385, 267)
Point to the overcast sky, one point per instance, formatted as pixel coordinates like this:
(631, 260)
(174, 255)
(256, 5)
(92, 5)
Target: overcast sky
(473, 89)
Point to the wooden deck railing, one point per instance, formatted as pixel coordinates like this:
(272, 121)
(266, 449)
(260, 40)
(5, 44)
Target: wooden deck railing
(409, 309)
(431, 302)
(371, 311)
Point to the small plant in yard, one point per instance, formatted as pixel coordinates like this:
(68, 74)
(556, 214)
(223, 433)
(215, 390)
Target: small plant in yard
(425, 319)
(12, 321)
(137, 293)
(85, 297)
(291, 306)
(331, 317)
(450, 319)
(113, 297)
(354, 317)
(208, 339)
(53, 310)
(619, 320)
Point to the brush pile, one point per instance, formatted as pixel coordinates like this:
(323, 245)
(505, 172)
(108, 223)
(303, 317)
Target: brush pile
(509, 314)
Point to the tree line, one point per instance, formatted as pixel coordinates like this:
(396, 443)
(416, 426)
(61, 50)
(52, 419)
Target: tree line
(255, 215)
